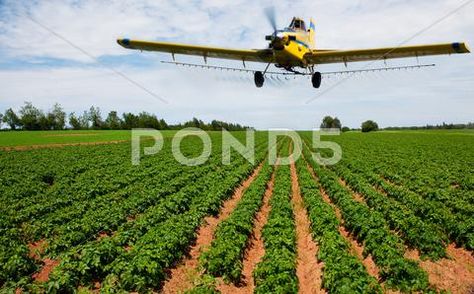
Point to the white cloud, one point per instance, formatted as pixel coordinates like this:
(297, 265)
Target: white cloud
(427, 96)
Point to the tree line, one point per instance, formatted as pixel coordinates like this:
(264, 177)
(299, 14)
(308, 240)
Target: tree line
(443, 126)
(31, 118)
(329, 122)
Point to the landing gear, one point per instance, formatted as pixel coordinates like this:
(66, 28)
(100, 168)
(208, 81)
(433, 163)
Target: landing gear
(259, 79)
(316, 80)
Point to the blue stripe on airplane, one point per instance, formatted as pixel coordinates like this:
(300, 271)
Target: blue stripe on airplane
(302, 43)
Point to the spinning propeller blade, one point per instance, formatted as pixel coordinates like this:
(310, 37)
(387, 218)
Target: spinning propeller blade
(271, 17)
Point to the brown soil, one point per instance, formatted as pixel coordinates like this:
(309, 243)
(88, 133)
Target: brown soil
(388, 181)
(255, 250)
(42, 146)
(454, 274)
(102, 235)
(96, 287)
(308, 270)
(357, 197)
(37, 249)
(184, 276)
(455, 186)
(357, 249)
(43, 274)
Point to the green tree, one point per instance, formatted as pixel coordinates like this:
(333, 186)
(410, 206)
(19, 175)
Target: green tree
(195, 123)
(146, 120)
(57, 117)
(1, 120)
(84, 120)
(30, 117)
(74, 121)
(95, 118)
(327, 122)
(330, 123)
(11, 119)
(113, 121)
(130, 121)
(45, 122)
(163, 125)
(216, 125)
(369, 126)
(345, 129)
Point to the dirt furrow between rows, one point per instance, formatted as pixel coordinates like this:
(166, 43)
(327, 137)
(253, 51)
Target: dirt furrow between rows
(357, 197)
(454, 274)
(309, 270)
(255, 249)
(357, 249)
(184, 276)
(47, 264)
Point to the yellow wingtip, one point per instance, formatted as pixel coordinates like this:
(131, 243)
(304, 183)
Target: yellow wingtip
(467, 48)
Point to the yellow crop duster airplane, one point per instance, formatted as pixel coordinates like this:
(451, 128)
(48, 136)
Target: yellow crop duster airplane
(294, 47)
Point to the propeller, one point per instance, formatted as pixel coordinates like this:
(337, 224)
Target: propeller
(276, 40)
(271, 17)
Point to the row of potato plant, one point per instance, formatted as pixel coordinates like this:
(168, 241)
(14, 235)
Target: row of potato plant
(417, 233)
(373, 231)
(342, 272)
(276, 272)
(458, 227)
(224, 257)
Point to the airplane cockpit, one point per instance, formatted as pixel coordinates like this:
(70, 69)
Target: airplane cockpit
(297, 24)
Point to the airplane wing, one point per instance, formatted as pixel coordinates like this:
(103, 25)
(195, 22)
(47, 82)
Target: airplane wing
(339, 56)
(265, 55)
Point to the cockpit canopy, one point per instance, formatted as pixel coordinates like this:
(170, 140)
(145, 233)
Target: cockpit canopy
(297, 24)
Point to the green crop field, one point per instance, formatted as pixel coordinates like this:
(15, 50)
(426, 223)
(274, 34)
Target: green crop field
(395, 214)
(28, 139)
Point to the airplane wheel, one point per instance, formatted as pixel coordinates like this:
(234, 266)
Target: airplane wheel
(259, 79)
(316, 80)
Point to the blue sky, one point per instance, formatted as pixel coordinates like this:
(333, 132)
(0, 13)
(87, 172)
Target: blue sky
(37, 66)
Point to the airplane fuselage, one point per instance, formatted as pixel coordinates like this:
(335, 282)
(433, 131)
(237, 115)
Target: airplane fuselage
(292, 52)
(291, 44)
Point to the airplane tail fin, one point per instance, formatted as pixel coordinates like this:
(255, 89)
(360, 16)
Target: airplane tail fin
(312, 29)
